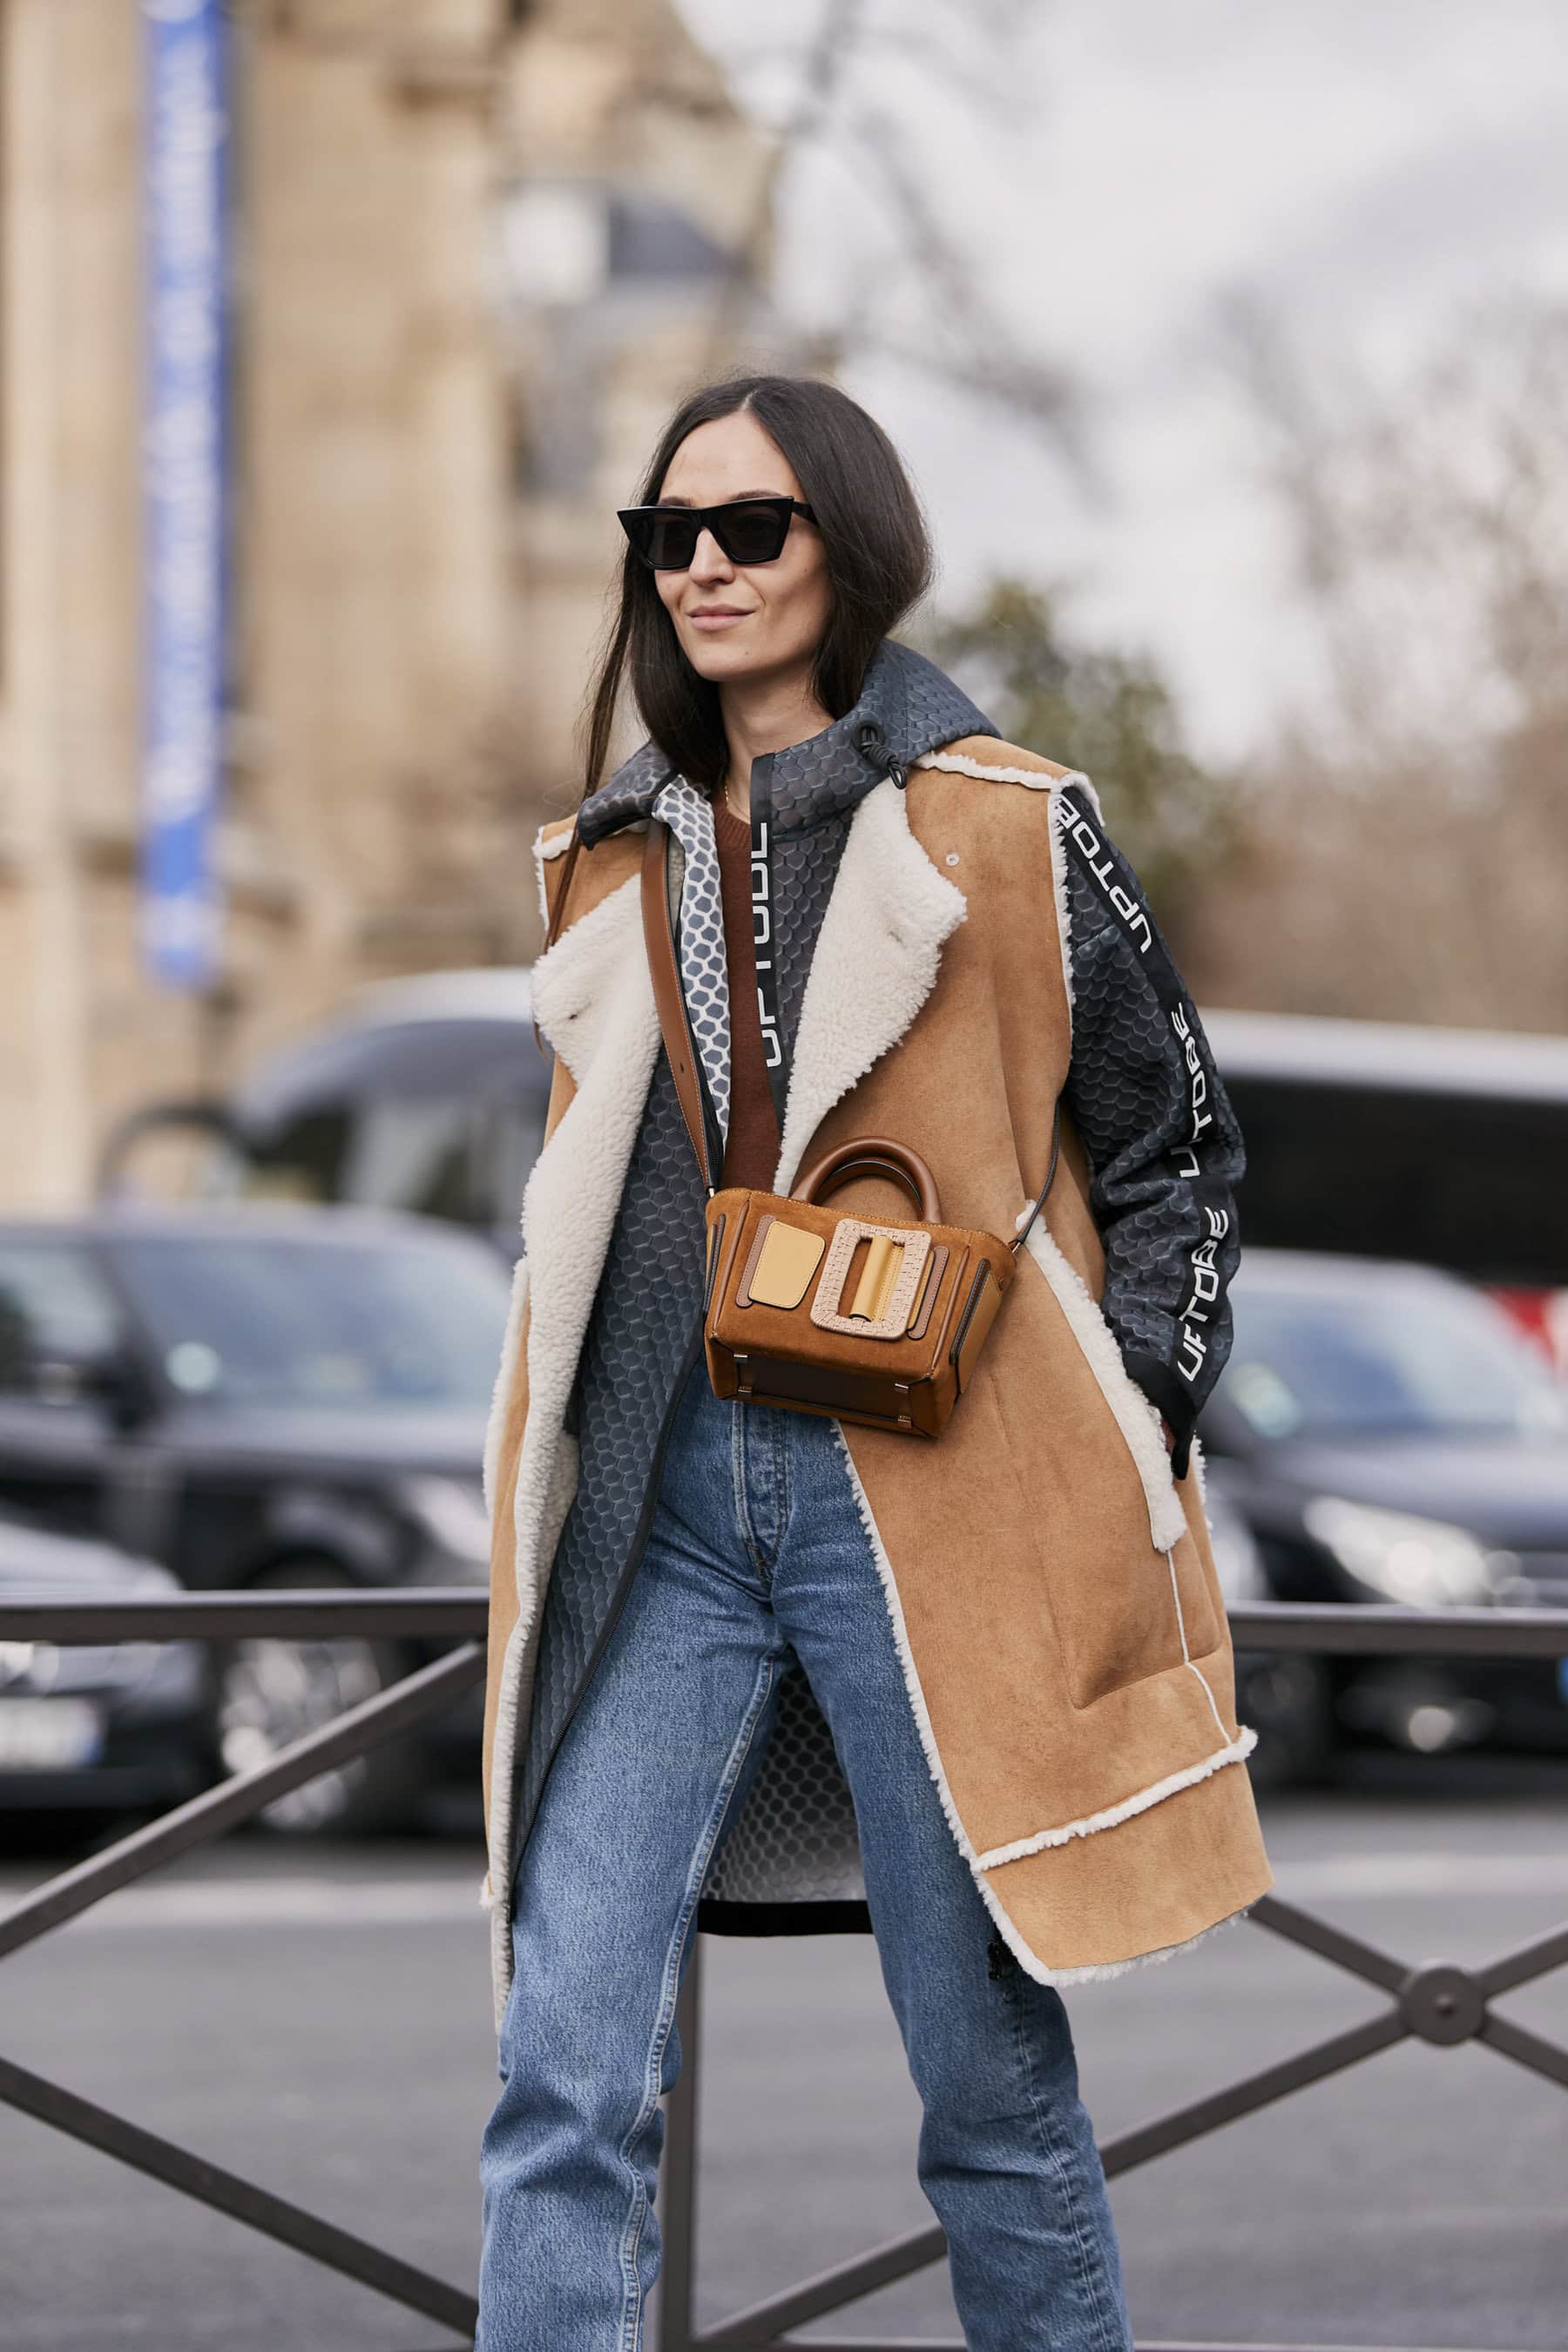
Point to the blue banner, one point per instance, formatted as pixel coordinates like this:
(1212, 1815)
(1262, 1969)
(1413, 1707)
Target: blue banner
(186, 134)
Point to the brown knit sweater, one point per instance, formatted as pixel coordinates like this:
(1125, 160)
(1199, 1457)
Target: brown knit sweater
(752, 1153)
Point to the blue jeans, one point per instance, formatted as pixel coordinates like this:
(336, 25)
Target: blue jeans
(757, 1551)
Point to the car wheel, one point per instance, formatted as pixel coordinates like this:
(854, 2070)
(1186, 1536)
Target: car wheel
(1287, 1701)
(272, 1689)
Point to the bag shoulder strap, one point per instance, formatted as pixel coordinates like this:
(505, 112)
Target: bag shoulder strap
(671, 1003)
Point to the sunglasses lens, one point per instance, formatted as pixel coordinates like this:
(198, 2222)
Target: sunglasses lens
(754, 534)
(663, 537)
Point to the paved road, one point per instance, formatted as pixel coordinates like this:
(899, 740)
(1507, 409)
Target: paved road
(321, 2024)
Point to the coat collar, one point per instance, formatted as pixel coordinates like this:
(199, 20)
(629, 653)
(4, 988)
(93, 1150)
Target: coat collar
(875, 958)
(875, 962)
(914, 705)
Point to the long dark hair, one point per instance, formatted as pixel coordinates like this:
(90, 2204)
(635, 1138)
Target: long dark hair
(878, 565)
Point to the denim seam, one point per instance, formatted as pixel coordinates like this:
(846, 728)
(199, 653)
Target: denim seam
(631, 2235)
(739, 1458)
(1090, 2274)
(783, 1425)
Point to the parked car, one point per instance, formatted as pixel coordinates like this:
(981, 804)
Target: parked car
(1284, 1697)
(1458, 1137)
(114, 1728)
(1388, 1434)
(265, 1397)
(429, 1093)
(426, 1094)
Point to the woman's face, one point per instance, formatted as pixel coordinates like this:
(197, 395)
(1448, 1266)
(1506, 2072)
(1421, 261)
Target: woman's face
(767, 619)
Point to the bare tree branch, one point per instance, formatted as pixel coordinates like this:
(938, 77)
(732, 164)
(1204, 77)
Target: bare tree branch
(826, 63)
(975, 346)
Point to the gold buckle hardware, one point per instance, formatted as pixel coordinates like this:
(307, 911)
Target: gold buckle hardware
(885, 1293)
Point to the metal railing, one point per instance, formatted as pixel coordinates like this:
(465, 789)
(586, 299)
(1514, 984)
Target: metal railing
(232, 1616)
(1440, 2003)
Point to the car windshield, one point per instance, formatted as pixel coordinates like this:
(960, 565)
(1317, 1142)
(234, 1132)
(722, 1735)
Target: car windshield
(262, 1320)
(1393, 1360)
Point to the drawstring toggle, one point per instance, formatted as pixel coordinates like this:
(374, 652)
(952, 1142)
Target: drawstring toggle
(873, 747)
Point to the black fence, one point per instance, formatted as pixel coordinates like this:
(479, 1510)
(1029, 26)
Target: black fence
(1440, 2003)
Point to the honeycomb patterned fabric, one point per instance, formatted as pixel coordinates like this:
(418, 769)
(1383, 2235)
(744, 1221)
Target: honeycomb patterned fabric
(1162, 1142)
(704, 967)
(791, 1858)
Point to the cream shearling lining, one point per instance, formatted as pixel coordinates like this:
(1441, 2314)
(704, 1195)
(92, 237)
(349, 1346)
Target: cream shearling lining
(1136, 1416)
(875, 964)
(1034, 780)
(593, 998)
(541, 850)
(503, 1379)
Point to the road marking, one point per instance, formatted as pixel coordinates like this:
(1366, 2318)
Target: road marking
(1407, 1876)
(444, 1902)
(295, 1903)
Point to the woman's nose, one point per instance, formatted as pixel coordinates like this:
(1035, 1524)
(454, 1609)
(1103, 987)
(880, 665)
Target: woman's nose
(708, 561)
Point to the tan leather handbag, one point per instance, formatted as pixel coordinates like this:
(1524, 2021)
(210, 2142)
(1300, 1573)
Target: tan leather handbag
(865, 1319)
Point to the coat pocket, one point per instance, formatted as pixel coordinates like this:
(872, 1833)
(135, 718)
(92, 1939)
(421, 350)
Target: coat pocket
(1177, 1618)
(1134, 1415)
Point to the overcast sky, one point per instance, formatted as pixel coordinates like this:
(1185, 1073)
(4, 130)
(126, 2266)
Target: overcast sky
(1369, 167)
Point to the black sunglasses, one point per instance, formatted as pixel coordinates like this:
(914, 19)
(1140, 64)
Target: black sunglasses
(750, 531)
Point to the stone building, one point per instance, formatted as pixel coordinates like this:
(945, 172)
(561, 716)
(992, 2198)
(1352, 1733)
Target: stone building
(479, 246)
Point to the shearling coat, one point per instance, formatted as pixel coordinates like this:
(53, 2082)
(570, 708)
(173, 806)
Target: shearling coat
(958, 944)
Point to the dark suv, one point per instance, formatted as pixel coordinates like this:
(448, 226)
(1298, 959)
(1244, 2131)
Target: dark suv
(1388, 1434)
(265, 1397)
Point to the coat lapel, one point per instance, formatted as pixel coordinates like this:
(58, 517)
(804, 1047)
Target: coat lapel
(593, 999)
(874, 965)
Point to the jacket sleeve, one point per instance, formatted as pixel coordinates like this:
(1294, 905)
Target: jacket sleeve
(1163, 1147)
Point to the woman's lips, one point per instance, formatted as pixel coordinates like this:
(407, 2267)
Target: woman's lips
(714, 620)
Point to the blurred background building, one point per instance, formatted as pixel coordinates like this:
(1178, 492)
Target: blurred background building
(471, 249)
(1241, 431)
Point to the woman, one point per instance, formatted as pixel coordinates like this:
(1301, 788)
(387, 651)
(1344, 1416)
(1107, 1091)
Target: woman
(771, 1664)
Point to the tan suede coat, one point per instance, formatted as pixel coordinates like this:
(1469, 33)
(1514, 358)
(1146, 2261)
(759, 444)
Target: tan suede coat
(1050, 1585)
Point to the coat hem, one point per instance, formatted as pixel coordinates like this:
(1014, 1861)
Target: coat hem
(1018, 1849)
(1103, 1971)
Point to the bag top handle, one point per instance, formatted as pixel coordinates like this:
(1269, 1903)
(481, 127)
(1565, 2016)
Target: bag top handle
(873, 1155)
